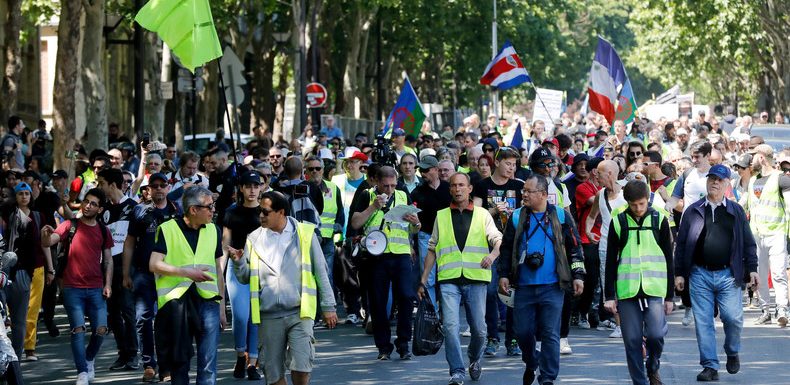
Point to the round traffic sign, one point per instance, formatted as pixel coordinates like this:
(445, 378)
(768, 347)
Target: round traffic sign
(316, 95)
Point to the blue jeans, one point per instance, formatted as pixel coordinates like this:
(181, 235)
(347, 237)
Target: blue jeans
(642, 317)
(474, 298)
(80, 303)
(494, 312)
(245, 334)
(394, 269)
(145, 306)
(430, 287)
(536, 313)
(207, 343)
(328, 247)
(707, 289)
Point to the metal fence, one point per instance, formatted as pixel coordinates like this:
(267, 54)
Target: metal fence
(351, 126)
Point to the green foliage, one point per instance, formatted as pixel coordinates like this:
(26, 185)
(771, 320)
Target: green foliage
(36, 13)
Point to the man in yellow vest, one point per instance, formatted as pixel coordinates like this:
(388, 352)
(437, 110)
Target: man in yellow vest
(332, 217)
(459, 244)
(766, 203)
(185, 260)
(639, 280)
(286, 271)
(393, 266)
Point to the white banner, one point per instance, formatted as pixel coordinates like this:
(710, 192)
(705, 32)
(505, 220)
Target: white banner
(657, 111)
(553, 101)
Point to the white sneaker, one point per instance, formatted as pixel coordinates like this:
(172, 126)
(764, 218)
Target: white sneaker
(82, 379)
(565, 347)
(617, 333)
(537, 345)
(91, 370)
(688, 317)
(606, 325)
(583, 323)
(352, 319)
(467, 332)
(781, 317)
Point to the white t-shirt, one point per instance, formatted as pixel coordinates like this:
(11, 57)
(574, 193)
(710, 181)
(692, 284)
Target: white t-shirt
(606, 217)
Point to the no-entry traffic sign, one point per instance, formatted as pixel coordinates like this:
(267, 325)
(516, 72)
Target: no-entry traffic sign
(316, 95)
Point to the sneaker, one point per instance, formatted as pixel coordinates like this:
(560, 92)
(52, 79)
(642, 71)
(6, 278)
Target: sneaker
(383, 356)
(529, 377)
(708, 374)
(606, 325)
(467, 332)
(133, 363)
(574, 320)
(30, 355)
(252, 373)
(456, 379)
(733, 364)
(583, 323)
(82, 379)
(565, 346)
(512, 349)
(352, 319)
(405, 354)
(475, 370)
(688, 317)
(654, 378)
(238, 368)
(91, 370)
(491, 347)
(149, 375)
(616, 333)
(119, 364)
(781, 317)
(764, 318)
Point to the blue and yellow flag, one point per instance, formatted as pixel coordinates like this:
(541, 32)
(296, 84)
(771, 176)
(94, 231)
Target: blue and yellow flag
(186, 26)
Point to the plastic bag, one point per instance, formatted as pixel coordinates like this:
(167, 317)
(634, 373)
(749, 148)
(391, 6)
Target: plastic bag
(428, 336)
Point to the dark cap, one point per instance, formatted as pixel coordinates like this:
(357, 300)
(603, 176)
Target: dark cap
(31, 174)
(539, 155)
(744, 161)
(720, 171)
(159, 176)
(578, 158)
(428, 162)
(249, 177)
(593, 163)
(60, 174)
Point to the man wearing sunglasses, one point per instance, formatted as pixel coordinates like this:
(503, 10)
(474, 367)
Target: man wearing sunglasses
(137, 250)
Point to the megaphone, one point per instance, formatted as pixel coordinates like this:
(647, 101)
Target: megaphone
(8, 260)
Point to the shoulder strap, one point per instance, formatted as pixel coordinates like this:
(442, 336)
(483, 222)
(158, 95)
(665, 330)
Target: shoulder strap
(623, 236)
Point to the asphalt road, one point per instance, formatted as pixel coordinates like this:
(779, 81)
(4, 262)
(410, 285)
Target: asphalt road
(347, 356)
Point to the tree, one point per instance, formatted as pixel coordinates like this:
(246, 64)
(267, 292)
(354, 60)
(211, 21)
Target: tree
(66, 73)
(93, 75)
(13, 61)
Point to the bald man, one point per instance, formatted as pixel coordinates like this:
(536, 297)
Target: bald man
(446, 170)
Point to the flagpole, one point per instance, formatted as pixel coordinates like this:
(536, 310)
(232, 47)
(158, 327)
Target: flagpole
(537, 96)
(495, 92)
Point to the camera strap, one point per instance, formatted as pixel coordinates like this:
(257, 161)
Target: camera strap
(545, 218)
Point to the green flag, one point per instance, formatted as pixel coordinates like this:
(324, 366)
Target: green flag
(186, 26)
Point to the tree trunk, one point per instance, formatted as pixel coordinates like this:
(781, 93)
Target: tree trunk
(155, 108)
(300, 52)
(208, 100)
(262, 99)
(93, 76)
(282, 89)
(13, 61)
(66, 73)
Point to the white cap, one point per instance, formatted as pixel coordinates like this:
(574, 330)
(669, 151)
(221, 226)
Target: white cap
(349, 151)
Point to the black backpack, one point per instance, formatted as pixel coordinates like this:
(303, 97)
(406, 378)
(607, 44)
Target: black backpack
(623, 238)
(65, 246)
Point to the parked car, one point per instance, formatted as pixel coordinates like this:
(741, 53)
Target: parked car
(200, 142)
(777, 135)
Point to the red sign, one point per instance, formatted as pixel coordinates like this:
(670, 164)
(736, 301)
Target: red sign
(316, 95)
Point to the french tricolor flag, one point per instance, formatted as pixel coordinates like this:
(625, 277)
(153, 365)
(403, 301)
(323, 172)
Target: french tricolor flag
(607, 78)
(506, 70)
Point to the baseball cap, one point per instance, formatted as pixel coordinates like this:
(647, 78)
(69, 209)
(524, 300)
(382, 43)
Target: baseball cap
(538, 156)
(249, 177)
(720, 171)
(22, 186)
(359, 155)
(157, 176)
(60, 174)
(578, 158)
(427, 152)
(593, 162)
(398, 132)
(763, 149)
(428, 162)
(553, 141)
(744, 161)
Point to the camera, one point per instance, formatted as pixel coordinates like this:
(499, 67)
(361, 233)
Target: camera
(534, 260)
(383, 153)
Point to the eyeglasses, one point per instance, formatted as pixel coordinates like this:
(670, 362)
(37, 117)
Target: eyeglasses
(313, 169)
(127, 181)
(98, 167)
(210, 207)
(91, 203)
(488, 149)
(546, 165)
(635, 154)
(157, 185)
(532, 191)
(265, 212)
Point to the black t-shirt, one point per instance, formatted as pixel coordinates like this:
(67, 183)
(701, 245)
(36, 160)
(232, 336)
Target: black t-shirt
(241, 221)
(117, 217)
(492, 193)
(47, 203)
(191, 236)
(430, 201)
(362, 201)
(143, 227)
(222, 184)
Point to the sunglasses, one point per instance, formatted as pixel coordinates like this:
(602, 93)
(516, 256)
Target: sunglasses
(649, 163)
(635, 154)
(546, 165)
(210, 207)
(313, 169)
(265, 212)
(157, 185)
(275, 156)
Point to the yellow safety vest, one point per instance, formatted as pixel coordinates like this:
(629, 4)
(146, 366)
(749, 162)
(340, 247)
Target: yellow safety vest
(453, 262)
(767, 213)
(309, 298)
(642, 262)
(180, 254)
(397, 232)
(329, 214)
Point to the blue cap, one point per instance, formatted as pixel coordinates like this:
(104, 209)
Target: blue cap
(22, 186)
(398, 132)
(720, 171)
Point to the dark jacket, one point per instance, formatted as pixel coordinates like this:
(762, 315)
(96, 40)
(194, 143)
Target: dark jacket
(567, 248)
(743, 253)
